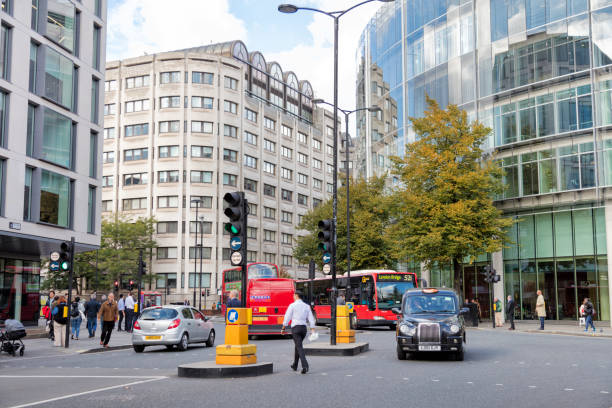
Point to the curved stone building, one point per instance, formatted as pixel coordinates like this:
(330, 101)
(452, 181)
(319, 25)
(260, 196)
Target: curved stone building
(539, 73)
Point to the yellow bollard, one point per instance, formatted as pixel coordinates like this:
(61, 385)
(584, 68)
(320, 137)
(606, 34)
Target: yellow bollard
(344, 334)
(236, 350)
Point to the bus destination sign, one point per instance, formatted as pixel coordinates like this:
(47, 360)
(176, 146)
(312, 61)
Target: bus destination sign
(388, 277)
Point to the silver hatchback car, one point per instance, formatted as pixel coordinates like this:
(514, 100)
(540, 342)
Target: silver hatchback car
(171, 326)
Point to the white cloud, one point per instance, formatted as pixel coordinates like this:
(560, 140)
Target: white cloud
(139, 26)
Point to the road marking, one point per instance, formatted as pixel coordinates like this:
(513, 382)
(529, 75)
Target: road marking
(568, 389)
(85, 376)
(405, 378)
(435, 380)
(349, 375)
(378, 377)
(574, 365)
(547, 364)
(603, 392)
(86, 392)
(469, 382)
(532, 386)
(497, 362)
(521, 362)
(323, 373)
(500, 385)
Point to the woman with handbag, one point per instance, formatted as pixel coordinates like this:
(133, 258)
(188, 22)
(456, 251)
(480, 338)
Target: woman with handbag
(59, 322)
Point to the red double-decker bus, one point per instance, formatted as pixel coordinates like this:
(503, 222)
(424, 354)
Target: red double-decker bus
(373, 292)
(268, 295)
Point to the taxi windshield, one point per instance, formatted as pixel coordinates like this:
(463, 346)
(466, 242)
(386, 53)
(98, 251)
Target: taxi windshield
(421, 304)
(390, 293)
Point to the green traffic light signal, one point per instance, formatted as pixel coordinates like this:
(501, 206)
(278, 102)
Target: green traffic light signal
(65, 265)
(232, 228)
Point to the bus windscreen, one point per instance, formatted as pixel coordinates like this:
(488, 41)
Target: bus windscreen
(261, 271)
(391, 288)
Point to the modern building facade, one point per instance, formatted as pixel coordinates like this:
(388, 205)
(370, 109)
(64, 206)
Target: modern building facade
(198, 123)
(538, 73)
(51, 73)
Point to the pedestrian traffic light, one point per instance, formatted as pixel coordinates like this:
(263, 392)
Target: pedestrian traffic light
(237, 212)
(65, 256)
(326, 235)
(131, 284)
(116, 285)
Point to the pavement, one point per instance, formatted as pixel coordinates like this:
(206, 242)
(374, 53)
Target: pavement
(556, 327)
(501, 368)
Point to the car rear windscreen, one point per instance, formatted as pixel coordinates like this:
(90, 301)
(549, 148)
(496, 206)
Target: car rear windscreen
(159, 314)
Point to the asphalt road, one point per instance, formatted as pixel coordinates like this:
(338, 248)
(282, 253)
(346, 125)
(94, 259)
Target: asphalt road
(501, 369)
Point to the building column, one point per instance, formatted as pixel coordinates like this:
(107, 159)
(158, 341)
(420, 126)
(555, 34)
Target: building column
(18, 294)
(497, 261)
(425, 274)
(608, 212)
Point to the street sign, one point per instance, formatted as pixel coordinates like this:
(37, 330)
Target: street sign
(54, 266)
(350, 306)
(236, 243)
(236, 258)
(326, 258)
(232, 315)
(326, 269)
(54, 256)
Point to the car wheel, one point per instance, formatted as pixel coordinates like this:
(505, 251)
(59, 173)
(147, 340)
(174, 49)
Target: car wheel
(211, 339)
(459, 355)
(139, 348)
(401, 354)
(184, 343)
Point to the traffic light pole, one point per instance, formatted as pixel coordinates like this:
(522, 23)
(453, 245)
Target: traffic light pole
(139, 281)
(245, 208)
(70, 277)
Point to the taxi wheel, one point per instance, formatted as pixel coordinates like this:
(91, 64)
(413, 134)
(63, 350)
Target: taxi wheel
(459, 355)
(401, 354)
(139, 348)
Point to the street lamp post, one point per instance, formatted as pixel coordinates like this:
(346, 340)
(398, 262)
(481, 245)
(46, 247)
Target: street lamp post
(348, 193)
(201, 222)
(290, 8)
(195, 266)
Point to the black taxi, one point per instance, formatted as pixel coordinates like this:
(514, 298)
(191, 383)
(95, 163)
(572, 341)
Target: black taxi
(431, 320)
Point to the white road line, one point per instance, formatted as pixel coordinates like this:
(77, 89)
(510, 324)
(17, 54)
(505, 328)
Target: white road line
(568, 389)
(86, 392)
(405, 378)
(604, 392)
(158, 377)
(378, 377)
(469, 382)
(532, 386)
(323, 373)
(500, 385)
(435, 380)
(349, 375)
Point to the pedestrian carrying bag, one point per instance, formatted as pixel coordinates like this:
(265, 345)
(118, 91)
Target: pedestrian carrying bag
(313, 336)
(74, 311)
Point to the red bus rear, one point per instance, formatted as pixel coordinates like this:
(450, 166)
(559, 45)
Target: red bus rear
(373, 292)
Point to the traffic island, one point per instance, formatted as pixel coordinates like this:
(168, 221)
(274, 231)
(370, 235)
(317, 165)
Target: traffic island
(209, 369)
(340, 349)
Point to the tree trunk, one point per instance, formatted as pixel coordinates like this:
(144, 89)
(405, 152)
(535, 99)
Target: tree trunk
(457, 277)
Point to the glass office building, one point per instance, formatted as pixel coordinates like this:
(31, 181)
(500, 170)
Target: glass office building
(539, 74)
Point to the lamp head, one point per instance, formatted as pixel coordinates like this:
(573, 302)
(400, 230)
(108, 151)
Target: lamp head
(318, 101)
(374, 109)
(287, 8)
(386, 1)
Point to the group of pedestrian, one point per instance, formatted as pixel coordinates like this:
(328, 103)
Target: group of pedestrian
(125, 307)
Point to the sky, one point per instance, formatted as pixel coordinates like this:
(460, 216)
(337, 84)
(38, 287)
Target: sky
(300, 42)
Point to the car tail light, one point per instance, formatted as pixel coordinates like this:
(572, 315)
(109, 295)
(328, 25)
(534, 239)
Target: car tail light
(175, 323)
(137, 326)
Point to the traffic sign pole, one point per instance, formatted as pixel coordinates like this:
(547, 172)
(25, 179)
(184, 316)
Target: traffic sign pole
(70, 277)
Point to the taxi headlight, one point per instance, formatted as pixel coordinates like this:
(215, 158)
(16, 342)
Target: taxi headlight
(454, 328)
(407, 330)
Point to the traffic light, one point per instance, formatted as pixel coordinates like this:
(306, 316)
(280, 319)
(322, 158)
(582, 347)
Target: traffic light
(131, 284)
(326, 235)
(64, 259)
(117, 286)
(237, 212)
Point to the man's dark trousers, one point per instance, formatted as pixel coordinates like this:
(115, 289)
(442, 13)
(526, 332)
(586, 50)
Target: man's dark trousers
(120, 320)
(511, 318)
(298, 333)
(107, 329)
(129, 315)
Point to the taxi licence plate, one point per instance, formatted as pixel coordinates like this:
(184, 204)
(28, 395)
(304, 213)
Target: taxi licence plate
(260, 318)
(152, 337)
(429, 348)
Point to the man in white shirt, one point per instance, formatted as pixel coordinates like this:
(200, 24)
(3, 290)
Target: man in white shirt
(121, 308)
(300, 315)
(129, 312)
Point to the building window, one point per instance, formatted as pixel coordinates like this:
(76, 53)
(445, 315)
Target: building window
(302, 199)
(168, 151)
(317, 164)
(286, 195)
(108, 157)
(269, 123)
(59, 79)
(170, 102)
(250, 138)
(170, 126)
(302, 158)
(137, 130)
(167, 202)
(201, 176)
(316, 144)
(109, 133)
(31, 126)
(4, 53)
(286, 238)
(201, 127)
(286, 174)
(317, 184)
(251, 256)
(269, 145)
(137, 106)
(34, 20)
(204, 280)
(57, 139)
(108, 181)
(230, 179)
(302, 138)
(286, 260)
(166, 280)
(170, 77)
(330, 150)
(269, 257)
(135, 179)
(110, 85)
(330, 131)
(230, 83)
(137, 81)
(167, 227)
(135, 203)
(205, 201)
(194, 252)
(315, 203)
(230, 155)
(230, 107)
(330, 188)
(136, 154)
(226, 254)
(250, 185)
(110, 109)
(200, 227)
(286, 216)
(97, 32)
(202, 102)
(230, 131)
(203, 152)
(61, 23)
(250, 115)
(33, 58)
(107, 205)
(2, 171)
(95, 98)
(269, 236)
(27, 192)
(330, 169)
(55, 199)
(270, 213)
(252, 209)
(250, 161)
(269, 168)
(252, 232)
(269, 190)
(286, 131)
(91, 208)
(168, 176)
(302, 179)
(202, 78)
(286, 152)
(167, 253)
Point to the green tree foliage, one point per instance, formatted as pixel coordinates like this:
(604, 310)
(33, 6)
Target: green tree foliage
(443, 207)
(369, 220)
(122, 238)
